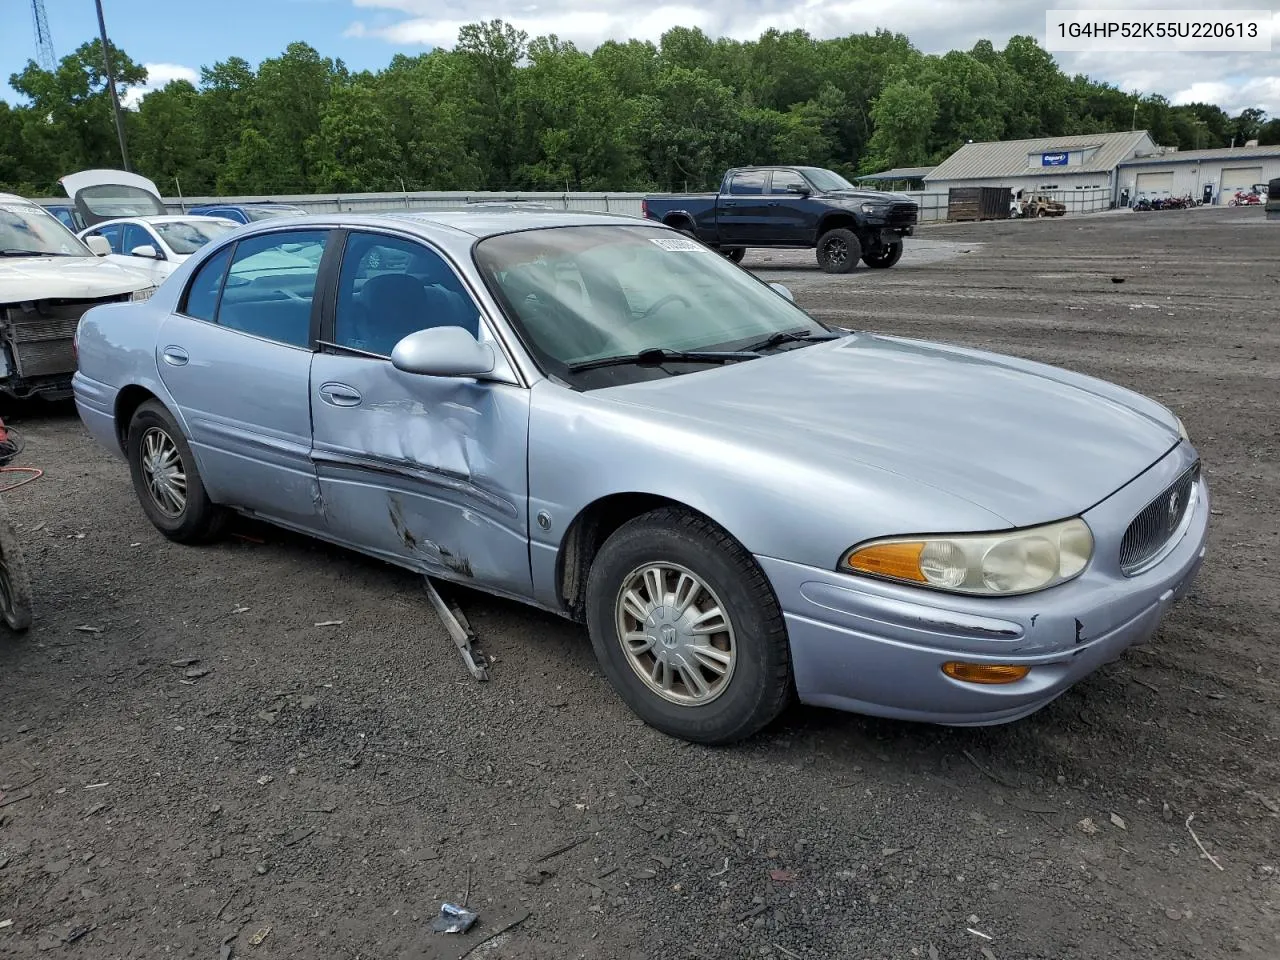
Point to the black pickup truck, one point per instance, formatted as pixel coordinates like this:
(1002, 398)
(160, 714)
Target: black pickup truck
(796, 207)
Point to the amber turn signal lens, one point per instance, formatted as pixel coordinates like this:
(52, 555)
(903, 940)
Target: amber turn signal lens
(898, 560)
(984, 672)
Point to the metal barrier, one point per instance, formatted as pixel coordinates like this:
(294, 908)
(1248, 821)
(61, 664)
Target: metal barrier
(933, 203)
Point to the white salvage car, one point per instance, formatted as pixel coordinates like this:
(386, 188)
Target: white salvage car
(48, 278)
(125, 209)
(157, 245)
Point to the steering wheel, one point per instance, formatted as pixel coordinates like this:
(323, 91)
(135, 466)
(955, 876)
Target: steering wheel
(662, 302)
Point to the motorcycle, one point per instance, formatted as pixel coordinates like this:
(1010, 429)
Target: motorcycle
(15, 581)
(1243, 199)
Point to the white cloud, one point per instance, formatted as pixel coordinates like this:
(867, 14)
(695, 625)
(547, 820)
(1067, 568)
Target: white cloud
(158, 74)
(1235, 80)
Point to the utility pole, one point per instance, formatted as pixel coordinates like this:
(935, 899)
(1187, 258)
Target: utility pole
(111, 86)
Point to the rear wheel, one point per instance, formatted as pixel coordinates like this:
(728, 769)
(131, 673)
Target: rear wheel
(167, 480)
(884, 256)
(838, 250)
(687, 629)
(735, 253)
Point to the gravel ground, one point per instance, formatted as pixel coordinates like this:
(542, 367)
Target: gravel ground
(188, 758)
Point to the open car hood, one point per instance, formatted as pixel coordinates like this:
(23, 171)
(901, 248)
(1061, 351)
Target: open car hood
(101, 195)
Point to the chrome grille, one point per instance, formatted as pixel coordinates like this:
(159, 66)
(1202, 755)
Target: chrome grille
(1158, 521)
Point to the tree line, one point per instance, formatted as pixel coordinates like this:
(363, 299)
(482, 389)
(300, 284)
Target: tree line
(501, 111)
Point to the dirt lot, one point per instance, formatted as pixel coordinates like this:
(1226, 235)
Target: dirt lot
(187, 758)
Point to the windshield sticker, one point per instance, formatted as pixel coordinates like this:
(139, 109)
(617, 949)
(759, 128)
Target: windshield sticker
(679, 245)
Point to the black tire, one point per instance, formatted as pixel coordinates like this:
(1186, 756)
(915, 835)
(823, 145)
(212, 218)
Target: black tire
(759, 684)
(15, 582)
(735, 253)
(884, 257)
(838, 250)
(1041, 212)
(200, 520)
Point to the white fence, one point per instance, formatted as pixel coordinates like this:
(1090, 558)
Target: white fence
(933, 204)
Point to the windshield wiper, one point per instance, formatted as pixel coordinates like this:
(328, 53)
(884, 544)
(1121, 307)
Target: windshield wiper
(33, 253)
(789, 336)
(655, 355)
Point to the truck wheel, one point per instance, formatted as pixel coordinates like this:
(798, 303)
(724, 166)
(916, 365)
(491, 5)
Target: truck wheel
(687, 629)
(735, 253)
(884, 257)
(838, 250)
(1041, 212)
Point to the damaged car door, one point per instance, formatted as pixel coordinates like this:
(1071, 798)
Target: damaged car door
(425, 471)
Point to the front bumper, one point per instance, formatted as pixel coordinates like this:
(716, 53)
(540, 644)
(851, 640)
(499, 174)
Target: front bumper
(878, 648)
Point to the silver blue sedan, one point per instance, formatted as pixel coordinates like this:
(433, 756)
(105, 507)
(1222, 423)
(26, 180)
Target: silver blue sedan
(599, 417)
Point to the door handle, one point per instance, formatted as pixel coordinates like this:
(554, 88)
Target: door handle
(728, 203)
(175, 356)
(773, 203)
(339, 395)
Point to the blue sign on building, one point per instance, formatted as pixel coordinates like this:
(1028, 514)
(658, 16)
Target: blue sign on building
(1053, 159)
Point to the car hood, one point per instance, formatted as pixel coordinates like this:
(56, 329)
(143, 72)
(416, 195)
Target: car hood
(76, 278)
(1027, 442)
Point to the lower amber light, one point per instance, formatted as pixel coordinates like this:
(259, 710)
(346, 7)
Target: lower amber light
(984, 672)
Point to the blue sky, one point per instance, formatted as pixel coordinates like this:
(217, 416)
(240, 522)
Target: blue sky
(174, 39)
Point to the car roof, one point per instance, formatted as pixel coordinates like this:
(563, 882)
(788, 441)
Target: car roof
(160, 218)
(14, 198)
(476, 223)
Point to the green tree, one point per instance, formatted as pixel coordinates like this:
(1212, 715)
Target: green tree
(904, 115)
(355, 147)
(76, 126)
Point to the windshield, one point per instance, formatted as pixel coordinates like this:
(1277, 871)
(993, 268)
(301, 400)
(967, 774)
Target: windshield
(265, 213)
(576, 294)
(29, 230)
(188, 236)
(826, 180)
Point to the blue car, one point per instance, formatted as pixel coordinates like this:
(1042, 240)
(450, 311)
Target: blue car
(247, 212)
(601, 417)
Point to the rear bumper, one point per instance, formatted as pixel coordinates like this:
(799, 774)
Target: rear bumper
(96, 404)
(878, 648)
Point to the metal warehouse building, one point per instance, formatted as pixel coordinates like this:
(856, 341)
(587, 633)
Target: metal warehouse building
(1190, 172)
(1055, 164)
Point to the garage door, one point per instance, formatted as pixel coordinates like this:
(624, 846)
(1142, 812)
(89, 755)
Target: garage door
(1153, 185)
(1239, 178)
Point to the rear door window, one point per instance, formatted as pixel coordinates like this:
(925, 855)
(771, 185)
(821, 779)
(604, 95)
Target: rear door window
(748, 182)
(271, 285)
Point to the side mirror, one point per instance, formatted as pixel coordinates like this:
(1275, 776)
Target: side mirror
(799, 191)
(784, 291)
(99, 246)
(443, 352)
(145, 250)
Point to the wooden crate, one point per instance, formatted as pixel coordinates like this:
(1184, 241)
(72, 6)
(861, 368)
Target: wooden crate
(978, 203)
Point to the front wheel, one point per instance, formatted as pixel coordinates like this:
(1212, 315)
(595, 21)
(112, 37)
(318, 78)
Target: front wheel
(838, 250)
(687, 629)
(735, 253)
(15, 583)
(884, 256)
(167, 480)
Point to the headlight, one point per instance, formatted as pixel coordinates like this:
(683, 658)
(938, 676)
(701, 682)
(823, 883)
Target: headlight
(994, 564)
(871, 208)
(143, 294)
(1182, 431)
